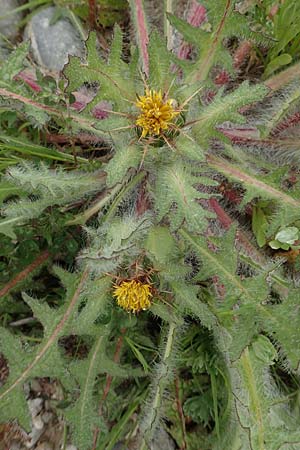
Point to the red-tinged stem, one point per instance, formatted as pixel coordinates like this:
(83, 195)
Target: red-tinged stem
(206, 63)
(291, 121)
(235, 173)
(24, 273)
(223, 217)
(248, 136)
(241, 237)
(92, 14)
(29, 79)
(81, 138)
(142, 32)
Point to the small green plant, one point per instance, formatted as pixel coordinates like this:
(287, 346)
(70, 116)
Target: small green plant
(286, 239)
(183, 317)
(278, 20)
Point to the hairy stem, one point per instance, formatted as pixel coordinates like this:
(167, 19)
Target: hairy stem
(41, 259)
(139, 20)
(92, 14)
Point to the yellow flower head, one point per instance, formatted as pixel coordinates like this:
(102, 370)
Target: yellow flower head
(156, 113)
(133, 295)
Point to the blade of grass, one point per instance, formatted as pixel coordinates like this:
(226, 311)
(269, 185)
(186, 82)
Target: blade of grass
(27, 5)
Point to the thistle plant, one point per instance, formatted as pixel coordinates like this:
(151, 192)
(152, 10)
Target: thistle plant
(162, 250)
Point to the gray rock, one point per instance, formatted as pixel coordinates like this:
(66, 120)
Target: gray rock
(119, 446)
(162, 441)
(9, 24)
(51, 44)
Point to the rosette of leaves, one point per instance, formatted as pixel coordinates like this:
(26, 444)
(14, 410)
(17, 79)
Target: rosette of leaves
(154, 196)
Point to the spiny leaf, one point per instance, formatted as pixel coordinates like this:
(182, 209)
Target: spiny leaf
(14, 64)
(8, 190)
(160, 76)
(175, 185)
(42, 360)
(124, 159)
(260, 407)
(218, 263)
(161, 246)
(282, 322)
(251, 181)
(83, 416)
(114, 242)
(113, 78)
(189, 301)
(59, 184)
(225, 108)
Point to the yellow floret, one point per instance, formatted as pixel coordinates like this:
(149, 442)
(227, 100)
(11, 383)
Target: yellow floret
(156, 113)
(133, 296)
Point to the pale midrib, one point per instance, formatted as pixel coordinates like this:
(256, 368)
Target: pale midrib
(246, 362)
(180, 186)
(88, 385)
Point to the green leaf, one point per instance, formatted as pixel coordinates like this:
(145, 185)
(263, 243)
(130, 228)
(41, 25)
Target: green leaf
(237, 300)
(14, 64)
(113, 78)
(28, 148)
(264, 417)
(160, 75)
(259, 225)
(287, 203)
(188, 300)
(7, 226)
(277, 63)
(217, 263)
(124, 159)
(288, 235)
(161, 245)
(225, 108)
(282, 322)
(42, 360)
(83, 416)
(188, 148)
(8, 190)
(174, 185)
